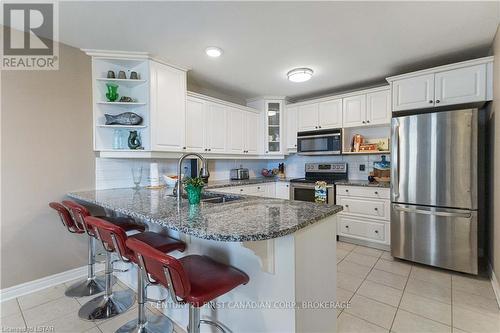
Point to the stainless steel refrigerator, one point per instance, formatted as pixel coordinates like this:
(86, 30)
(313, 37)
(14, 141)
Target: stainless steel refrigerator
(434, 191)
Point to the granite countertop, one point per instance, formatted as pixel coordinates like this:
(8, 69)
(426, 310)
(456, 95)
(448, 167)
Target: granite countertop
(363, 183)
(251, 181)
(249, 219)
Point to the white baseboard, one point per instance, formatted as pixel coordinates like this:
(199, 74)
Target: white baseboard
(45, 282)
(495, 283)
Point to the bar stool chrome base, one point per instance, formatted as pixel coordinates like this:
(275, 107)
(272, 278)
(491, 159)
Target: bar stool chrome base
(104, 307)
(154, 324)
(87, 287)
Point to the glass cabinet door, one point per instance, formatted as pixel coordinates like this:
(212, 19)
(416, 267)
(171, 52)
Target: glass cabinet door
(273, 113)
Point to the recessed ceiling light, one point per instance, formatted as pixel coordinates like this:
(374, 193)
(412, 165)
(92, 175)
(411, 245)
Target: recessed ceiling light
(299, 74)
(213, 51)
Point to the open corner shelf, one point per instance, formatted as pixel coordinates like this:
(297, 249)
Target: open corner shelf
(122, 103)
(381, 152)
(122, 126)
(124, 82)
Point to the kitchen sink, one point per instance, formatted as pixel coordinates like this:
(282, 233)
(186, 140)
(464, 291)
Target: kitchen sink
(213, 197)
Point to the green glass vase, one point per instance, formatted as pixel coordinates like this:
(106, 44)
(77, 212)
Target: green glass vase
(112, 94)
(193, 194)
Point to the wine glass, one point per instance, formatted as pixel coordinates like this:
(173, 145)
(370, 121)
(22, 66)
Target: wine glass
(137, 175)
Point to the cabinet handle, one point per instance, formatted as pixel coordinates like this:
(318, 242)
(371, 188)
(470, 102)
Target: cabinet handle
(316, 127)
(295, 145)
(346, 206)
(258, 187)
(367, 121)
(286, 185)
(267, 152)
(209, 149)
(437, 101)
(376, 209)
(241, 190)
(183, 147)
(364, 122)
(347, 226)
(376, 231)
(431, 101)
(376, 192)
(347, 190)
(319, 126)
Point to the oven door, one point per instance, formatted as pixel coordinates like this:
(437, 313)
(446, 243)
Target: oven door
(306, 192)
(320, 144)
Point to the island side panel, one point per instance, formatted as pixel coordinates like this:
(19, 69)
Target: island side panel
(243, 309)
(316, 276)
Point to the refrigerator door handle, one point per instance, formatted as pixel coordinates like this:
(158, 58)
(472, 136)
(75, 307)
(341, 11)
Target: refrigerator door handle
(428, 212)
(395, 163)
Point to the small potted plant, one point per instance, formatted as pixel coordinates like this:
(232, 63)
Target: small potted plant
(193, 187)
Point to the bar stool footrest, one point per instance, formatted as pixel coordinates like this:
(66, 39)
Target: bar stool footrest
(154, 324)
(214, 324)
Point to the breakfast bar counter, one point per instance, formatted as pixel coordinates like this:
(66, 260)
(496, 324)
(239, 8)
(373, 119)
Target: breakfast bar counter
(287, 248)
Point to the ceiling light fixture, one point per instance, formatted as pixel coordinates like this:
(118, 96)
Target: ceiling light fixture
(213, 51)
(300, 74)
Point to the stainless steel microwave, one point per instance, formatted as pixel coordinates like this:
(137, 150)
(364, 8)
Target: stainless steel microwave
(325, 142)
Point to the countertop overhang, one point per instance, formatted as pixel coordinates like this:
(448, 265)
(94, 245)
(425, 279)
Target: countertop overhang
(249, 219)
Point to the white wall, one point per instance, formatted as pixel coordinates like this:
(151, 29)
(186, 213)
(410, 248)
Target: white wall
(46, 136)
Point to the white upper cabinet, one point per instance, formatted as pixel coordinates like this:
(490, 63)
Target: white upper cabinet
(291, 127)
(236, 135)
(252, 133)
(463, 85)
(413, 93)
(216, 123)
(354, 111)
(168, 107)
(308, 117)
(330, 114)
(465, 82)
(195, 125)
(378, 108)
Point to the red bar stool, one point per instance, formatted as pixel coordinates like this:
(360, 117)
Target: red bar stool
(113, 239)
(93, 285)
(193, 279)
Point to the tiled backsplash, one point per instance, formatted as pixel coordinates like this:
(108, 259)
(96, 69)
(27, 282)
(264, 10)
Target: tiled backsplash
(117, 173)
(294, 164)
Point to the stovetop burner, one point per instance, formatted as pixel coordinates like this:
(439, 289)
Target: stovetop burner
(312, 180)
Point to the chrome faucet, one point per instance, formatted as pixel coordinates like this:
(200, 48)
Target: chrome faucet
(203, 172)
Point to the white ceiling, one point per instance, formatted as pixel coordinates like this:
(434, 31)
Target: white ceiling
(347, 44)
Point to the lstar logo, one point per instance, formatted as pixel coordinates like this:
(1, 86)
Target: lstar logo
(28, 36)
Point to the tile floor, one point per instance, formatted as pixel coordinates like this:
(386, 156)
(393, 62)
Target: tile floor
(385, 295)
(390, 295)
(49, 310)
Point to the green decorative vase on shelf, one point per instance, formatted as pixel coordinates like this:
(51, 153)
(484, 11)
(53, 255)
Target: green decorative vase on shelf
(193, 194)
(112, 94)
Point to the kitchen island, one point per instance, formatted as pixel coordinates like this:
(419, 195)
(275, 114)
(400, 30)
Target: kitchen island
(286, 247)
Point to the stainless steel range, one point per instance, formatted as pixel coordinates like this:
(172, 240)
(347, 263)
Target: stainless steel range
(303, 188)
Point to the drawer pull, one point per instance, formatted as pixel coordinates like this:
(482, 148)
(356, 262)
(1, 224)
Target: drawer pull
(258, 188)
(376, 209)
(347, 226)
(376, 192)
(241, 190)
(347, 190)
(376, 231)
(346, 206)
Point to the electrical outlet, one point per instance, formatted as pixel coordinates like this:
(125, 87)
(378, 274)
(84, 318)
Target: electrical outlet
(361, 167)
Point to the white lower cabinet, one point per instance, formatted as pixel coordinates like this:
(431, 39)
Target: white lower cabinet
(363, 230)
(267, 190)
(282, 190)
(366, 214)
